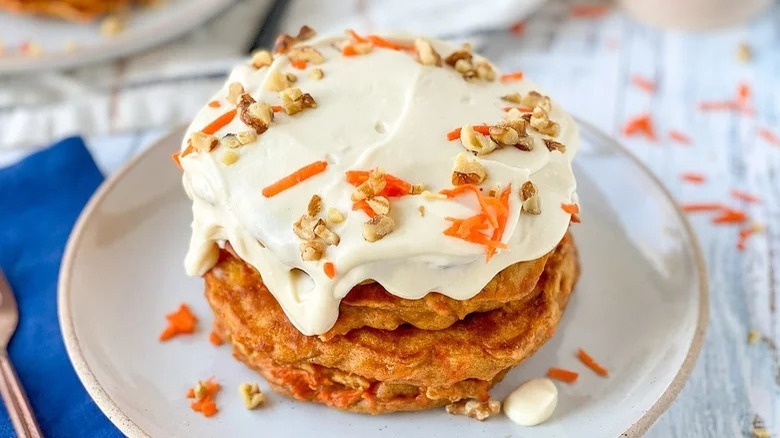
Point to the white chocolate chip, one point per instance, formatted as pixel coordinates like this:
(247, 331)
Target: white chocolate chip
(532, 403)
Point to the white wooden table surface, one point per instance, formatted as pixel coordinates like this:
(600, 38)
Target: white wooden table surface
(588, 63)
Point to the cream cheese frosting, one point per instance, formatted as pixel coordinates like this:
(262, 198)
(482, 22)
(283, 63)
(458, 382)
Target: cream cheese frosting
(382, 109)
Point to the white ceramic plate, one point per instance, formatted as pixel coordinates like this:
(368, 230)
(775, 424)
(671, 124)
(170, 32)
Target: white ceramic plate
(640, 308)
(145, 27)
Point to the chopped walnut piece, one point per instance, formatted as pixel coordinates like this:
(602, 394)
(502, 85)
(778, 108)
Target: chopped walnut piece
(307, 54)
(256, 115)
(485, 71)
(553, 145)
(417, 189)
(504, 135)
(541, 122)
(378, 227)
(513, 98)
(335, 216)
(251, 395)
(229, 157)
(316, 74)
(474, 141)
(203, 142)
(312, 250)
(463, 54)
(323, 232)
(467, 170)
(530, 197)
(370, 187)
(291, 78)
(262, 58)
(305, 225)
(535, 99)
(230, 141)
(421, 209)
(425, 53)
(463, 66)
(246, 137)
(516, 121)
(315, 205)
(284, 42)
(295, 101)
(235, 90)
(379, 204)
(277, 81)
(475, 409)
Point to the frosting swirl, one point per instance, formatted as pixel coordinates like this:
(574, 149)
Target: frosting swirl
(382, 109)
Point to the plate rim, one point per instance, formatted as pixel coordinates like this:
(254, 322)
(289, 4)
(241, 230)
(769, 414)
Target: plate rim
(128, 427)
(111, 50)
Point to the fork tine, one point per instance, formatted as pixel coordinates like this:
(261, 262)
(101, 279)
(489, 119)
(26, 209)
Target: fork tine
(7, 299)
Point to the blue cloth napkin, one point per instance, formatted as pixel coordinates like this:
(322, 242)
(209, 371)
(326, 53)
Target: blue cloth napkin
(40, 199)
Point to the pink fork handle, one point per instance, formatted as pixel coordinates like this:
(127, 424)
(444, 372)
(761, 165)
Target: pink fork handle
(16, 401)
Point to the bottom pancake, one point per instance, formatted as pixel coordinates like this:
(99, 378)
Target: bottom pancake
(377, 371)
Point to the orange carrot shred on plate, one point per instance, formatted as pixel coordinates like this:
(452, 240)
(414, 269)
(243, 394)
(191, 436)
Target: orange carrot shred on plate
(215, 104)
(640, 125)
(562, 375)
(219, 122)
(510, 77)
(588, 11)
(745, 196)
(277, 108)
(643, 83)
(769, 136)
(704, 206)
(745, 233)
(571, 208)
(679, 137)
(182, 321)
(518, 28)
(693, 177)
(295, 178)
(204, 402)
(454, 134)
(300, 64)
(730, 216)
(330, 269)
(743, 92)
(191, 393)
(215, 339)
(592, 364)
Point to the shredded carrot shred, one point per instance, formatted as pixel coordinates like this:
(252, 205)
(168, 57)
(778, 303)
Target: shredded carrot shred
(330, 269)
(562, 375)
(175, 158)
(693, 177)
(745, 233)
(518, 28)
(215, 104)
(215, 339)
(182, 321)
(355, 37)
(576, 218)
(704, 206)
(294, 178)
(745, 196)
(394, 186)
(643, 83)
(482, 129)
(769, 136)
(188, 150)
(524, 109)
(454, 134)
(730, 216)
(592, 364)
(679, 137)
(364, 207)
(718, 105)
(640, 125)
(349, 50)
(219, 122)
(743, 93)
(300, 64)
(277, 108)
(571, 208)
(510, 77)
(588, 11)
(205, 404)
(378, 41)
(487, 227)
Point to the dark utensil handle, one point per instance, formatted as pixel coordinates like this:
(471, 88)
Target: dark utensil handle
(16, 402)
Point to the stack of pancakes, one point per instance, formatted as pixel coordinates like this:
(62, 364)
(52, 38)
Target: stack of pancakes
(387, 354)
